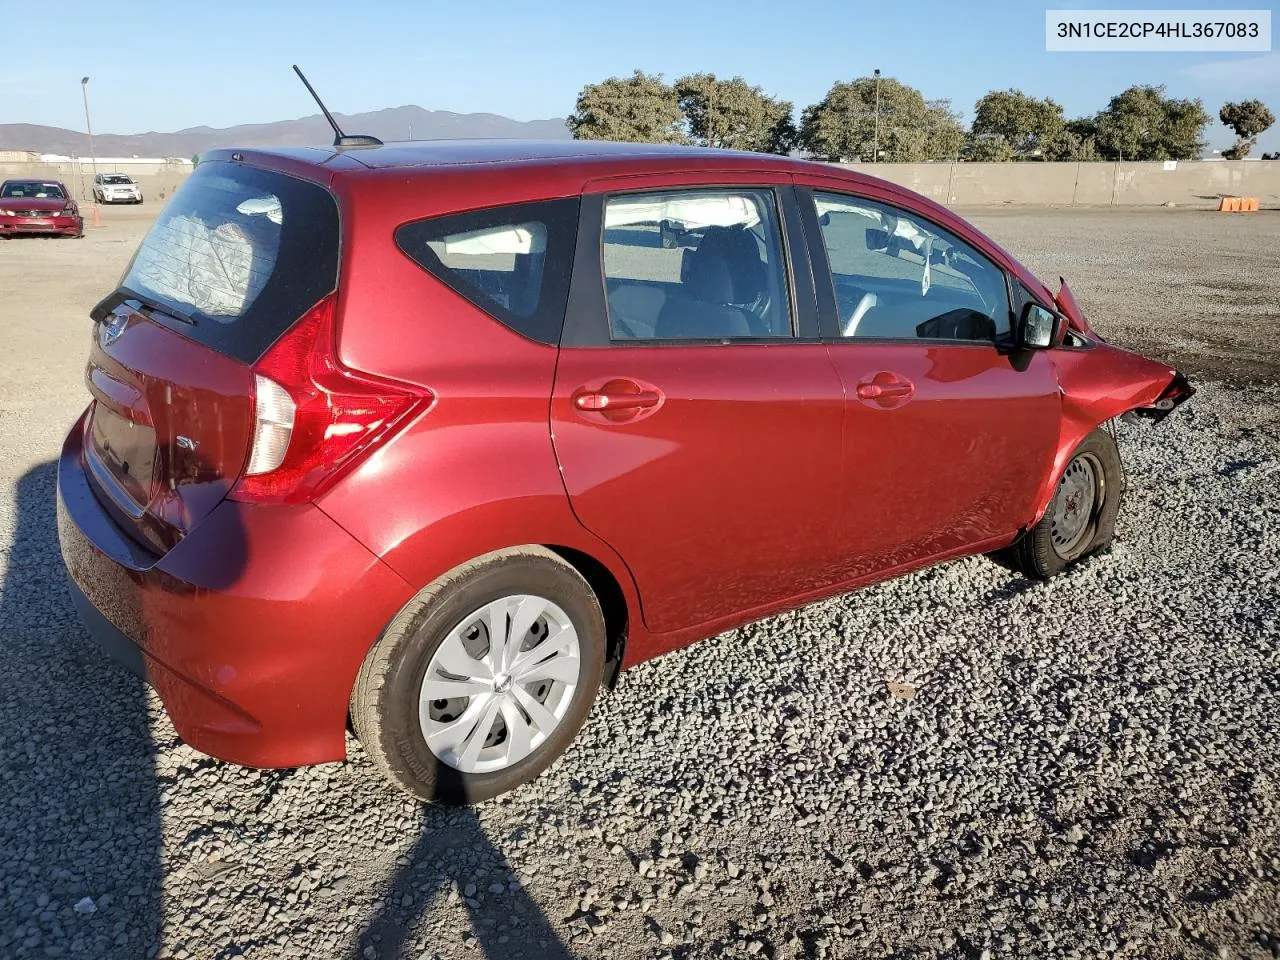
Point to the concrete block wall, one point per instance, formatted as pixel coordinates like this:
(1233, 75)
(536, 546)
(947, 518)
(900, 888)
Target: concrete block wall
(1187, 183)
(1184, 183)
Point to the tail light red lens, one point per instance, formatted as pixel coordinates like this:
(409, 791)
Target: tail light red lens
(314, 418)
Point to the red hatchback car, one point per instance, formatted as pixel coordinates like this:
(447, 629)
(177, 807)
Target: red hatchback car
(38, 206)
(434, 439)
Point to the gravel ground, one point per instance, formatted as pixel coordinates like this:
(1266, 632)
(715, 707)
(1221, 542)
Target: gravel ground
(959, 763)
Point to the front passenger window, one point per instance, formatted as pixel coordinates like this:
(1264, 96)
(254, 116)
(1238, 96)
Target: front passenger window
(901, 277)
(695, 265)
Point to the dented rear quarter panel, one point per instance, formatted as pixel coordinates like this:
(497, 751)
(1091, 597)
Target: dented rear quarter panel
(1098, 383)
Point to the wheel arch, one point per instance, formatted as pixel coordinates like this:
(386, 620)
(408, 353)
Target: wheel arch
(1074, 432)
(1099, 385)
(613, 604)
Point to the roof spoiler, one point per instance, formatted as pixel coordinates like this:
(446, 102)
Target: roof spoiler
(340, 139)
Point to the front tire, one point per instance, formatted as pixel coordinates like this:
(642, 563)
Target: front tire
(483, 679)
(1081, 517)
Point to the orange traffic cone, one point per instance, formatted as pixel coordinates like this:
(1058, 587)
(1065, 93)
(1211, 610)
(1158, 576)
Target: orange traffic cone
(97, 217)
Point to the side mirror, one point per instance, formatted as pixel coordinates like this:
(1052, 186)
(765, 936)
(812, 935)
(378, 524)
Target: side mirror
(825, 219)
(1039, 329)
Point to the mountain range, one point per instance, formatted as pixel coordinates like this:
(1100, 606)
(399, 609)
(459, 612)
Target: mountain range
(393, 123)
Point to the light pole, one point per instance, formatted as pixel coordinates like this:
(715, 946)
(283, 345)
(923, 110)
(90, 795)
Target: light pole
(875, 149)
(84, 89)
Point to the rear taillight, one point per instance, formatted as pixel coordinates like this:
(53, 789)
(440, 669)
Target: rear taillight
(314, 419)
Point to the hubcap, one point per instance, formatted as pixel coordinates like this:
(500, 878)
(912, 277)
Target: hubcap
(1076, 505)
(499, 684)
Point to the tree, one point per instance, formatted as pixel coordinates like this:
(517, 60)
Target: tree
(1142, 124)
(734, 115)
(195, 160)
(987, 148)
(1030, 126)
(943, 130)
(843, 126)
(1077, 141)
(1248, 118)
(637, 109)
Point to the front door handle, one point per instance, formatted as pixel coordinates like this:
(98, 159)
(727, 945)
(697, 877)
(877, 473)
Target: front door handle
(602, 400)
(886, 389)
(619, 400)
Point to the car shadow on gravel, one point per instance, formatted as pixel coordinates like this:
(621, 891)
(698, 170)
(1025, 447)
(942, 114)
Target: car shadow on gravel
(80, 833)
(505, 922)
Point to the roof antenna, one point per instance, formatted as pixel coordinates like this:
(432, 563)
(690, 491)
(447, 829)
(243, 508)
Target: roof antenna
(340, 139)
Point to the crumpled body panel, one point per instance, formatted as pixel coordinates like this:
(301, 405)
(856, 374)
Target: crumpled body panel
(1098, 383)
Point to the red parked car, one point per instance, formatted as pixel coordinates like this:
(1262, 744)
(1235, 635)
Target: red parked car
(38, 206)
(436, 438)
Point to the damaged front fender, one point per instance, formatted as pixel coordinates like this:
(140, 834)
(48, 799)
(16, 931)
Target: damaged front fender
(1100, 382)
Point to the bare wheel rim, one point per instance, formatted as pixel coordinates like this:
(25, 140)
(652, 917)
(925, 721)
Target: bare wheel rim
(499, 684)
(1076, 505)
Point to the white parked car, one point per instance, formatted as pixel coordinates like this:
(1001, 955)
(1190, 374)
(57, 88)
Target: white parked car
(116, 188)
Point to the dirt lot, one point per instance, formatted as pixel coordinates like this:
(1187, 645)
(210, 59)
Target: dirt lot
(1090, 768)
(1197, 288)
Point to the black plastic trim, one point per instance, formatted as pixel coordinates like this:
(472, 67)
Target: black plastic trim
(107, 635)
(586, 321)
(828, 311)
(800, 276)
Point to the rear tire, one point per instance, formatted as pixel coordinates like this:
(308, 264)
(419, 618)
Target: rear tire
(439, 644)
(1081, 517)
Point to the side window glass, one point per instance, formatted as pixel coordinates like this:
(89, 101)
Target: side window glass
(695, 265)
(513, 262)
(901, 277)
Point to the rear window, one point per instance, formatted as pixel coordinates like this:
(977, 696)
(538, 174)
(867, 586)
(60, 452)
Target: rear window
(513, 262)
(242, 252)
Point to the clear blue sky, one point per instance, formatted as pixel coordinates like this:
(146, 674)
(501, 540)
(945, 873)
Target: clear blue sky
(164, 66)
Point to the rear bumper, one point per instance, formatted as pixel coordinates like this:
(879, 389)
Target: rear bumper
(72, 226)
(251, 629)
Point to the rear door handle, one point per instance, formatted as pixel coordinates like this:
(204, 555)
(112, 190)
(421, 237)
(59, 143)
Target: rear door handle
(619, 400)
(601, 400)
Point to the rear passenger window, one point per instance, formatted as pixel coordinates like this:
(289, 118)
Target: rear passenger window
(513, 262)
(901, 277)
(695, 265)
